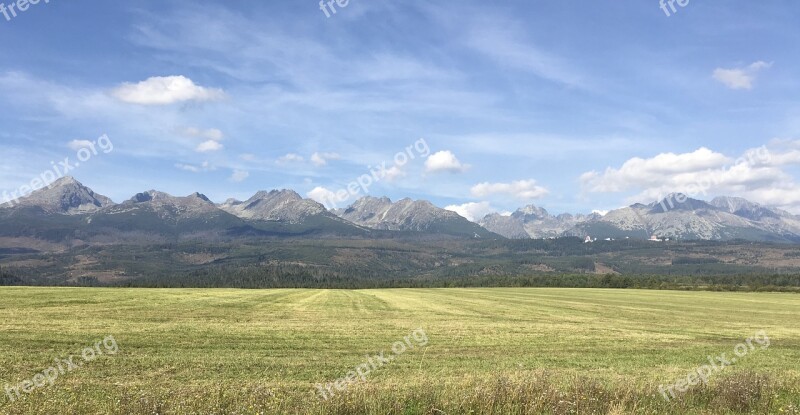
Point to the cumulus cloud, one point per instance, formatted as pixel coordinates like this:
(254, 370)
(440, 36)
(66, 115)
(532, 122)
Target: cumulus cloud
(779, 152)
(239, 176)
(321, 159)
(322, 195)
(756, 175)
(645, 172)
(444, 161)
(520, 189)
(473, 211)
(164, 90)
(740, 78)
(79, 144)
(208, 146)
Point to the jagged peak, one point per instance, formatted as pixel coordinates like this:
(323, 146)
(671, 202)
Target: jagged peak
(66, 181)
(150, 195)
(532, 210)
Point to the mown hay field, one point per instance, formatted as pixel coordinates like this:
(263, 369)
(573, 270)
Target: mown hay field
(481, 351)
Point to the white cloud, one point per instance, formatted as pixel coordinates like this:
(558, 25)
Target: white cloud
(394, 173)
(645, 172)
(444, 161)
(322, 195)
(208, 146)
(248, 157)
(520, 189)
(740, 78)
(79, 144)
(473, 211)
(290, 158)
(164, 90)
(239, 176)
(321, 159)
(702, 174)
(209, 134)
(777, 153)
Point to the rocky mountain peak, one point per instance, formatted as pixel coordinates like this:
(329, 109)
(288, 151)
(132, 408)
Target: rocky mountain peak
(532, 212)
(66, 196)
(276, 205)
(408, 215)
(151, 196)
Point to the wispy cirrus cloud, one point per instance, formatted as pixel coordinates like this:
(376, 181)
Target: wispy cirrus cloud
(238, 176)
(208, 134)
(196, 168)
(502, 45)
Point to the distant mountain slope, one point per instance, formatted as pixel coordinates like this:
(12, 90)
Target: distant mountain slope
(159, 212)
(64, 196)
(680, 217)
(68, 211)
(286, 211)
(676, 216)
(410, 215)
(507, 226)
(535, 222)
(277, 205)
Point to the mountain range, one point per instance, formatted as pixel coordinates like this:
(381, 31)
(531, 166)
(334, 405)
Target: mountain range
(675, 217)
(68, 210)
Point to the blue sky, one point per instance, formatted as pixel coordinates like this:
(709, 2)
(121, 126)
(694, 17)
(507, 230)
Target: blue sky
(574, 106)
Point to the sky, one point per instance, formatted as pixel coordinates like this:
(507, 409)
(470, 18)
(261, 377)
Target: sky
(480, 107)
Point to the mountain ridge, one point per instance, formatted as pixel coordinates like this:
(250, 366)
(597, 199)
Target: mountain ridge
(286, 212)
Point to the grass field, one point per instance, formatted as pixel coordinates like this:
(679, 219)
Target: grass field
(501, 351)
